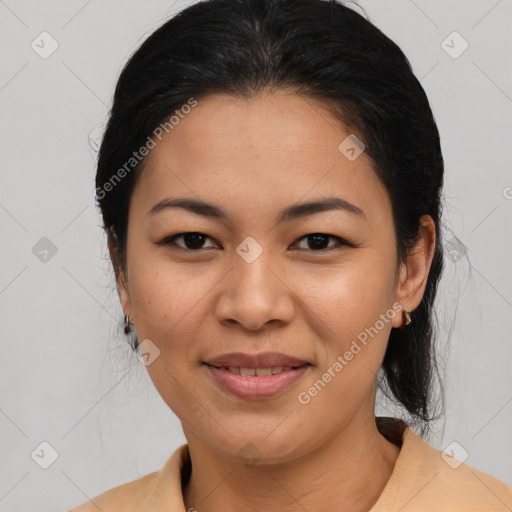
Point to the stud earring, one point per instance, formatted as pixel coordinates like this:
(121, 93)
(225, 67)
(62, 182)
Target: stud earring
(406, 319)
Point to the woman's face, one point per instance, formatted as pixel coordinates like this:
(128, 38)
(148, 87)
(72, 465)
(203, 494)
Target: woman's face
(256, 283)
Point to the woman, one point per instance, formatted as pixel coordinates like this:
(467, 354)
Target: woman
(270, 182)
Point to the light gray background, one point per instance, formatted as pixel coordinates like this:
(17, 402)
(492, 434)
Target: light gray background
(67, 376)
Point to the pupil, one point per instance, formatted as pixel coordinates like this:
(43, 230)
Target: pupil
(318, 239)
(194, 240)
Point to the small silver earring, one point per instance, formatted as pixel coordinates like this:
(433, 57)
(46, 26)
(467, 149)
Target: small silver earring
(127, 324)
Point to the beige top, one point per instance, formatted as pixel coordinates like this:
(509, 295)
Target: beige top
(421, 481)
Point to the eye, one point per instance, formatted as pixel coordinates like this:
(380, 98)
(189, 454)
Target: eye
(193, 241)
(317, 242)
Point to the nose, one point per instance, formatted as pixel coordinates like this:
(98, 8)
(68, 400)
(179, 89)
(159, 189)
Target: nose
(254, 294)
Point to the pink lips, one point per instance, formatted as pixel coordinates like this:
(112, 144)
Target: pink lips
(277, 372)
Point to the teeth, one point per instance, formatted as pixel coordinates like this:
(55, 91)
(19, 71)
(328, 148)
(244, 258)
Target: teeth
(260, 372)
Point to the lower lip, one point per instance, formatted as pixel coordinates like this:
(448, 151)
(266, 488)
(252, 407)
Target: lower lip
(254, 387)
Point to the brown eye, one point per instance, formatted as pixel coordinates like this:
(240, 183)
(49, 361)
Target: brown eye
(318, 242)
(315, 242)
(192, 241)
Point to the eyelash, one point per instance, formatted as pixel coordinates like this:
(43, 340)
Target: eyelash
(341, 241)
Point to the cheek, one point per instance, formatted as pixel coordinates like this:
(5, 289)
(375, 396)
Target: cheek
(164, 294)
(352, 295)
(353, 340)
(348, 305)
(166, 298)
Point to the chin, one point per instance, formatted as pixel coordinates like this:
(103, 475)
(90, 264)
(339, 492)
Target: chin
(255, 446)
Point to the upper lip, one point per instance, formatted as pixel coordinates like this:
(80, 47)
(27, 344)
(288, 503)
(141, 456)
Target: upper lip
(262, 360)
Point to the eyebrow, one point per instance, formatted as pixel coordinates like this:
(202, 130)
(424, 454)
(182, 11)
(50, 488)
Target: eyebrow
(289, 213)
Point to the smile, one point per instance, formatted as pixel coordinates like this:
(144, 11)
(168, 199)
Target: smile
(256, 383)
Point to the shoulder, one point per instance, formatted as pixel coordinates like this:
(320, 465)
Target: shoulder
(127, 496)
(427, 479)
(466, 486)
(153, 492)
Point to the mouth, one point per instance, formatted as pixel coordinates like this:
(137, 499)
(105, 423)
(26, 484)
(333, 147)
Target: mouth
(257, 372)
(257, 376)
(261, 361)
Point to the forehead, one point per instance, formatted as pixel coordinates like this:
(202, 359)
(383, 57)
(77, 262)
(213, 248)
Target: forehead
(260, 154)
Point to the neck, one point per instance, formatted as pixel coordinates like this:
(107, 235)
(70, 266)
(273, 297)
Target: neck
(347, 474)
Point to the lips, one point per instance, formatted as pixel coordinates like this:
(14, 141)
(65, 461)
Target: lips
(263, 360)
(256, 376)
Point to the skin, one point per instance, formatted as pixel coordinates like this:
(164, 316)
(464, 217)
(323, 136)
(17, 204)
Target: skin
(254, 157)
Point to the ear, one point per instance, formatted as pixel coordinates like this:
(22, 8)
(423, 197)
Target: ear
(121, 279)
(414, 271)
